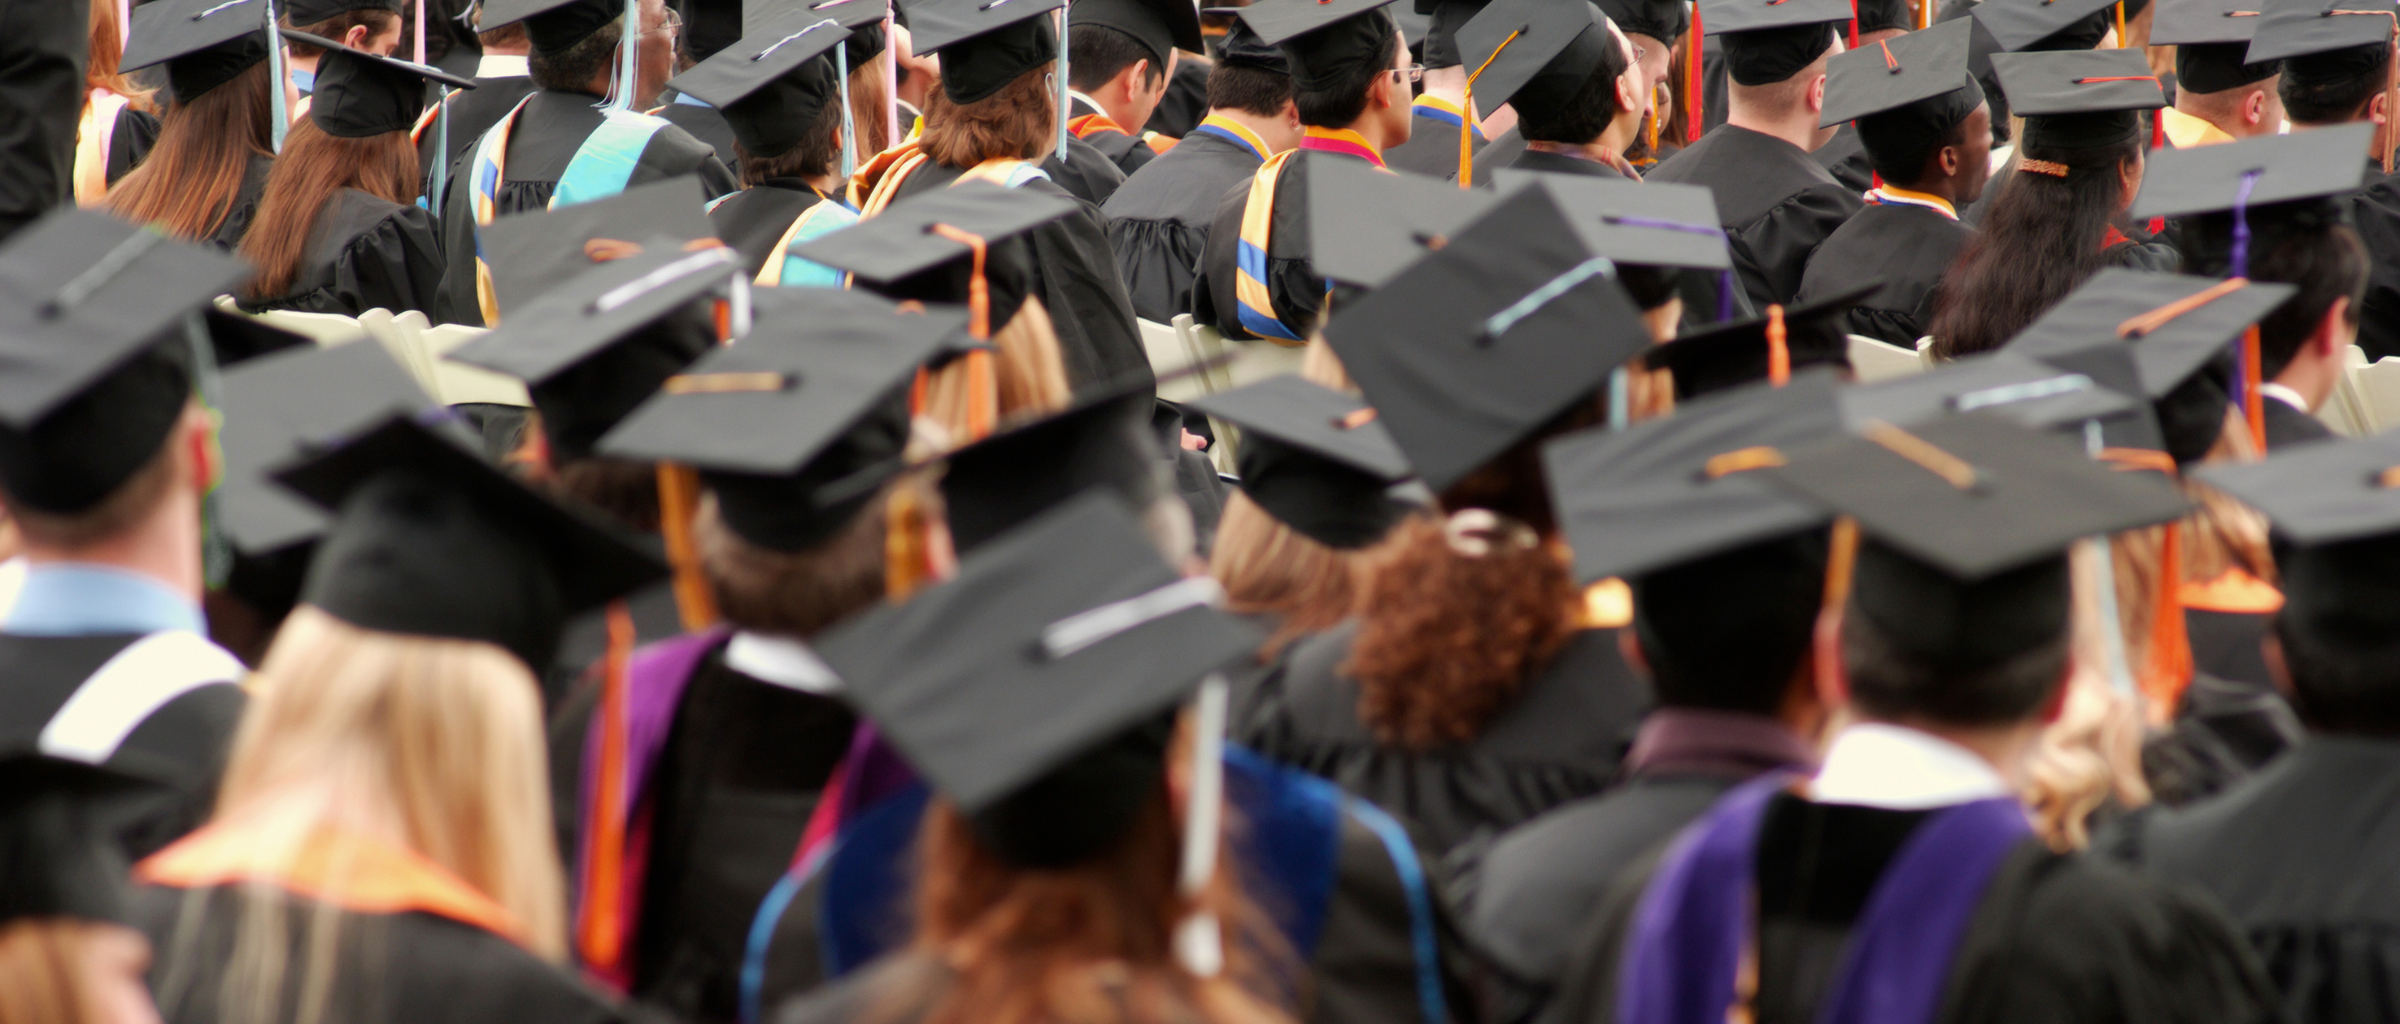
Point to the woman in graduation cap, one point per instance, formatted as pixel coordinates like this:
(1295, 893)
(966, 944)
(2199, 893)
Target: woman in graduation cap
(779, 93)
(69, 952)
(339, 230)
(382, 842)
(204, 178)
(120, 118)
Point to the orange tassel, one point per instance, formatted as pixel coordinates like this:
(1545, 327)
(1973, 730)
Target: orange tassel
(1466, 115)
(1779, 351)
(678, 505)
(979, 295)
(2169, 670)
(2254, 405)
(600, 932)
(1691, 74)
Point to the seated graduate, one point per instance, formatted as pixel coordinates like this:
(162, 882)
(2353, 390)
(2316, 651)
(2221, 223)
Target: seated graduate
(384, 829)
(1844, 156)
(1775, 202)
(2220, 95)
(107, 457)
(1121, 54)
(204, 177)
(2061, 215)
(1469, 693)
(2337, 69)
(68, 946)
(339, 230)
(798, 433)
(119, 123)
(2290, 854)
(1727, 576)
(369, 25)
(577, 138)
(1671, 257)
(501, 82)
(1350, 84)
(779, 92)
(1158, 221)
(1569, 76)
(1439, 115)
(1925, 125)
(1903, 881)
(1769, 348)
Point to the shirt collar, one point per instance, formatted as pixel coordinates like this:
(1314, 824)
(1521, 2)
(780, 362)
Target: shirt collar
(2186, 131)
(782, 661)
(84, 599)
(1078, 97)
(502, 65)
(2283, 394)
(1875, 764)
(1912, 197)
(1703, 741)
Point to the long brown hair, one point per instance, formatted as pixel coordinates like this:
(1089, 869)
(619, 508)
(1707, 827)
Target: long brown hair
(1018, 122)
(314, 168)
(1466, 610)
(193, 175)
(866, 107)
(108, 50)
(1266, 566)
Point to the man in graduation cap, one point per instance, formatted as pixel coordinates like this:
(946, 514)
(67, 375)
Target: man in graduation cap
(1902, 881)
(779, 92)
(369, 25)
(1441, 112)
(1121, 55)
(1777, 204)
(2220, 95)
(1159, 219)
(1925, 125)
(502, 81)
(559, 147)
(1844, 156)
(1350, 82)
(2339, 68)
(106, 457)
(1570, 77)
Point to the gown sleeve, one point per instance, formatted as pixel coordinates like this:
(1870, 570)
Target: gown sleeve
(1086, 300)
(2375, 213)
(1771, 253)
(1159, 261)
(395, 265)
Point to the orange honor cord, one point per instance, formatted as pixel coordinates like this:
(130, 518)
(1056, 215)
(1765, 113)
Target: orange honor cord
(2254, 405)
(1691, 75)
(983, 389)
(600, 932)
(678, 506)
(1466, 114)
(2124, 39)
(979, 296)
(1779, 349)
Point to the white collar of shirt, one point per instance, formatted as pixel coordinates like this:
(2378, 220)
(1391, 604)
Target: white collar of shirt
(1089, 102)
(501, 65)
(2283, 394)
(782, 661)
(1873, 764)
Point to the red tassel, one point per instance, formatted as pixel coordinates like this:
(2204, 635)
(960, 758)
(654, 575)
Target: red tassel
(1691, 74)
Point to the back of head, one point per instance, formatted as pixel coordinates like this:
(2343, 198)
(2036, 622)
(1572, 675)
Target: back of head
(2339, 629)
(188, 183)
(1553, 109)
(1249, 88)
(1097, 53)
(2304, 243)
(2334, 87)
(98, 465)
(1767, 57)
(1921, 645)
(1334, 68)
(1017, 122)
(1732, 630)
(2040, 238)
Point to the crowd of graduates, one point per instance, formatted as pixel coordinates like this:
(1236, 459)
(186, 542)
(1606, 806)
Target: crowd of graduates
(802, 585)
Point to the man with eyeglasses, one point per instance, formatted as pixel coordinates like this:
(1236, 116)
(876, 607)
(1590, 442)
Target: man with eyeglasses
(1441, 110)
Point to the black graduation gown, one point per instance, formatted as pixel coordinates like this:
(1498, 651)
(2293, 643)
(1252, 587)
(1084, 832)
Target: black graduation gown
(2146, 253)
(2224, 731)
(1431, 149)
(365, 253)
(2056, 938)
(1084, 172)
(2287, 425)
(228, 236)
(1076, 276)
(1909, 248)
(1158, 221)
(130, 143)
(1186, 102)
(706, 124)
(1776, 204)
(472, 113)
(1563, 737)
(1560, 163)
(2375, 214)
(43, 50)
(389, 968)
(2300, 857)
(1845, 158)
(1498, 153)
(1125, 150)
(754, 219)
(540, 147)
(1296, 291)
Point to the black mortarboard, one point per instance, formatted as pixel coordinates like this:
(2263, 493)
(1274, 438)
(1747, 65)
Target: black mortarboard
(2020, 25)
(360, 95)
(1314, 458)
(1670, 490)
(1445, 19)
(1920, 75)
(534, 252)
(898, 253)
(2202, 68)
(1484, 340)
(1663, 20)
(2078, 99)
(2254, 172)
(2107, 308)
(2033, 393)
(430, 540)
(1323, 40)
(553, 26)
(592, 349)
(1718, 17)
(769, 84)
(797, 426)
(2323, 40)
(282, 407)
(235, 338)
(98, 368)
(1162, 26)
(1769, 41)
(59, 854)
(1241, 45)
(864, 19)
(1656, 224)
(1537, 54)
(1881, 15)
(203, 43)
(310, 12)
(984, 45)
(1035, 688)
(2212, 43)
(1369, 223)
(1726, 355)
(1005, 479)
(2324, 492)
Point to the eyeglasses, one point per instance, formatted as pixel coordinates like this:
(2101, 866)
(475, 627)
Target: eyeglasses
(1412, 74)
(673, 25)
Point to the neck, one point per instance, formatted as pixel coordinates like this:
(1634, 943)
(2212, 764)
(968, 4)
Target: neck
(165, 547)
(2006, 748)
(2313, 379)
(1278, 133)
(1620, 133)
(1448, 83)
(1371, 129)
(300, 63)
(1799, 129)
(829, 183)
(1596, 151)
(1948, 189)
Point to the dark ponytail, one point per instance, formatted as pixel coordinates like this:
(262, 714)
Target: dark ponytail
(2040, 238)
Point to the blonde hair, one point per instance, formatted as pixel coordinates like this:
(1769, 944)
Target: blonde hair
(2093, 751)
(42, 979)
(1028, 376)
(435, 745)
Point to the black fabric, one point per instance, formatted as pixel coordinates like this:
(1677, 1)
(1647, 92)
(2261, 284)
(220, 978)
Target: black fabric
(1186, 101)
(1845, 157)
(2287, 426)
(1561, 738)
(1775, 203)
(365, 253)
(2223, 733)
(776, 118)
(472, 113)
(1158, 221)
(1073, 812)
(974, 69)
(708, 125)
(753, 220)
(356, 97)
(1936, 617)
(1324, 56)
(44, 48)
(1770, 55)
(583, 402)
(1908, 248)
(2226, 645)
(1323, 500)
(403, 539)
(136, 132)
(799, 511)
(1432, 147)
(2335, 67)
(580, 646)
(304, 13)
(191, 75)
(82, 451)
(1084, 172)
(2082, 131)
(244, 208)
(1128, 151)
(2374, 213)
(1661, 20)
(558, 29)
(1920, 126)
(2215, 67)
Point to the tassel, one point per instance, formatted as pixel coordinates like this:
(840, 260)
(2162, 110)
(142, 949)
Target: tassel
(1840, 559)
(1779, 351)
(1466, 114)
(2169, 669)
(2124, 39)
(1691, 74)
(678, 504)
(1853, 38)
(600, 930)
(2254, 406)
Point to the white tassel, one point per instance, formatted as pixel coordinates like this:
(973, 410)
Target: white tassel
(1199, 943)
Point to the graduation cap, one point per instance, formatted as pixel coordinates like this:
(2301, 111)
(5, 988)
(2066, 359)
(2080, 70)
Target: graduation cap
(284, 406)
(2044, 25)
(864, 19)
(236, 339)
(1322, 40)
(534, 252)
(1161, 26)
(2177, 323)
(1011, 477)
(1650, 224)
(592, 349)
(1768, 41)
(2034, 394)
(2078, 99)
(2212, 43)
(1240, 45)
(1445, 19)
(918, 248)
(312, 12)
(1314, 458)
(2323, 41)
(1735, 353)
(1035, 689)
(1537, 54)
(984, 45)
(359, 95)
(2321, 163)
(430, 540)
(1369, 223)
(797, 426)
(1913, 87)
(770, 84)
(553, 26)
(2324, 492)
(203, 43)
(1662, 20)
(97, 364)
(1479, 343)
(1670, 490)
(59, 855)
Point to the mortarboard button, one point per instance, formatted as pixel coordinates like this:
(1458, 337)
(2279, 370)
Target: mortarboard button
(360, 95)
(1649, 224)
(1726, 355)
(1314, 458)
(532, 253)
(204, 43)
(2254, 172)
(1370, 223)
(1535, 53)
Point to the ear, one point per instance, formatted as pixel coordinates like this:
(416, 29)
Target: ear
(2327, 337)
(356, 38)
(1950, 161)
(1816, 95)
(1833, 677)
(1629, 96)
(2375, 111)
(1136, 77)
(1291, 114)
(2254, 106)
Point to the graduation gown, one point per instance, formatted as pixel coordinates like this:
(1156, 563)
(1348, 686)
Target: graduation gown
(472, 113)
(2224, 731)
(2375, 214)
(1158, 222)
(1128, 151)
(1498, 153)
(43, 50)
(541, 145)
(706, 124)
(2300, 857)
(365, 253)
(2053, 938)
(2289, 425)
(1296, 291)
(1432, 146)
(754, 219)
(1845, 158)
(1562, 737)
(228, 235)
(1777, 205)
(1084, 172)
(1186, 102)
(130, 143)
(1907, 247)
